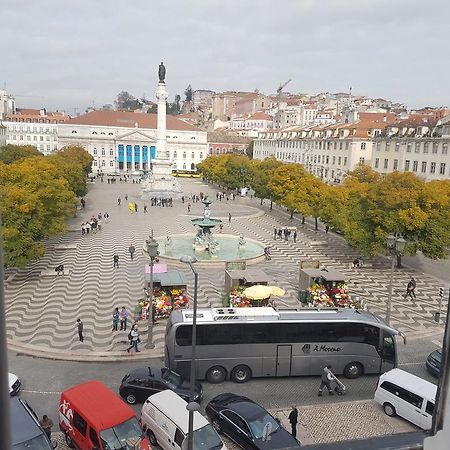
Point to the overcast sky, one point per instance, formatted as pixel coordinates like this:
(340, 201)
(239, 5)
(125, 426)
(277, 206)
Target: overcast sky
(67, 55)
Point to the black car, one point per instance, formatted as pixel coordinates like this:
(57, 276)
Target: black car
(434, 362)
(248, 424)
(139, 384)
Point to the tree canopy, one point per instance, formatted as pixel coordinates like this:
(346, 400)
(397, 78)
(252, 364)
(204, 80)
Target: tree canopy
(10, 153)
(38, 195)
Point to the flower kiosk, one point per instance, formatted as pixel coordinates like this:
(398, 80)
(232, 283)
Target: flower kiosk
(169, 292)
(325, 288)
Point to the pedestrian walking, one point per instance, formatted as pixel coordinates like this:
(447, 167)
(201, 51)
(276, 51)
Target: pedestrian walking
(267, 253)
(293, 419)
(80, 328)
(119, 201)
(131, 249)
(145, 208)
(47, 424)
(275, 232)
(280, 232)
(135, 207)
(295, 236)
(83, 203)
(115, 319)
(325, 381)
(126, 197)
(189, 208)
(83, 229)
(116, 261)
(327, 228)
(410, 288)
(134, 335)
(123, 317)
(229, 216)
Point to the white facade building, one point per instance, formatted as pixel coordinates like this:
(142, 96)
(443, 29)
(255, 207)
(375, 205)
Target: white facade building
(250, 126)
(34, 127)
(326, 151)
(7, 104)
(126, 141)
(2, 135)
(420, 148)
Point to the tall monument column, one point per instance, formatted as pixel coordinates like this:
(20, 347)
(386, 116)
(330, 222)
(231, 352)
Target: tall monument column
(161, 95)
(161, 183)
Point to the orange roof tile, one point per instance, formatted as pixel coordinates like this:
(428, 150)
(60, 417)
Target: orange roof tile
(260, 116)
(128, 120)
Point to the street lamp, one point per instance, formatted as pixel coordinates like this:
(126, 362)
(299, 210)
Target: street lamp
(395, 244)
(152, 250)
(192, 406)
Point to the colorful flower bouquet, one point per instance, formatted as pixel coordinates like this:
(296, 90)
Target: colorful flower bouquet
(318, 296)
(179, 299)
(237, 298)
(337, 296)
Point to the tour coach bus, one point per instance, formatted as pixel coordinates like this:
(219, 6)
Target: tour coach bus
(241, 343)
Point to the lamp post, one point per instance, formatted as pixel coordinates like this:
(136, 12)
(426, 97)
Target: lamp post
(192, 406)
(395, 244)
(152, 250)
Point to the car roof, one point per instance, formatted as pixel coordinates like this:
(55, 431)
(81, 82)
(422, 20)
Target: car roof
(410, 382)
(23, 425)
(154, 373)
(98, 404)
(174, 407)
(241, 405)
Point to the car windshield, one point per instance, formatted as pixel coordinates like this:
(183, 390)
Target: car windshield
(172, 379)
(37, 443)
(257, 425)
(126, 436)
(206, 438)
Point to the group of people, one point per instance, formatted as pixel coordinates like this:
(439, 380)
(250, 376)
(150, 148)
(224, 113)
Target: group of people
(224, 195)
(120, 317)
(94, 223)
(279, 233)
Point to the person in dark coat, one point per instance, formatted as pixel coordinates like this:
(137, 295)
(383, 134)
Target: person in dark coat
(293, 419)
(80, 328)
(410, 288)
(325, 381)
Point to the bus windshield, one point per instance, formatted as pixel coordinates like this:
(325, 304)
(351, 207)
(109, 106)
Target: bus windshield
(122, 437)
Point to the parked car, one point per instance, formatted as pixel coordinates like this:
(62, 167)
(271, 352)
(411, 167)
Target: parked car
(14, 384)
(165, 420)
(247, 423)
(434, 362)
(140, 383)
(26, 432)
(405, 395)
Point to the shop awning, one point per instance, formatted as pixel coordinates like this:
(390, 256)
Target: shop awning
(172, 278)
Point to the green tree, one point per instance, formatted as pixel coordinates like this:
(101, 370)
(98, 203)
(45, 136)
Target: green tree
(262, 171)
(10, 153)
(188, 93)
(36, 202)
(77, 155)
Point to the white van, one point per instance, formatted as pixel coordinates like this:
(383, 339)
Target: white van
(403, 394)
(165, 420)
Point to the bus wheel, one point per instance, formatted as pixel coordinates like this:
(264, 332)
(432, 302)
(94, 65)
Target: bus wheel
(216, 374)
(389, 409)
(241, 374)
(353, 370)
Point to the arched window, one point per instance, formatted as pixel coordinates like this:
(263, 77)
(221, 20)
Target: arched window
(94, 132)
(74, 132)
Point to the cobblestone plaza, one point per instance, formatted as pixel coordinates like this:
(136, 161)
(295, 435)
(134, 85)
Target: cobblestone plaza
(42, 308)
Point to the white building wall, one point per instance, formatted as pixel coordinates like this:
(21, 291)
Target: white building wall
(42, 135)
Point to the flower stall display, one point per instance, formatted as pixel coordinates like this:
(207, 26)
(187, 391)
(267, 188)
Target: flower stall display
(164, 302)
(331, 295)
(237, 298)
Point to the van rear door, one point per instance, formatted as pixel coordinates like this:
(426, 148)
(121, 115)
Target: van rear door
(427, 414)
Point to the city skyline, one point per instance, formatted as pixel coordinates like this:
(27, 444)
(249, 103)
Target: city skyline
(78, 55)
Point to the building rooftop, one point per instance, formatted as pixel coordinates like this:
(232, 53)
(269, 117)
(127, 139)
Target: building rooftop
(129, 120)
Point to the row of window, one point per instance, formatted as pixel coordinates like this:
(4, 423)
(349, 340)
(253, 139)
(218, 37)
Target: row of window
(21, 137)
(30, 129)
(270, 333)
(415, 166)
(426, 147)
(111, 153)
(317, 159)
(112, 164)
(408, 396)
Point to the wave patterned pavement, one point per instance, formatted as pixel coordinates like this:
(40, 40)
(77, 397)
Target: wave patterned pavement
(42, 308)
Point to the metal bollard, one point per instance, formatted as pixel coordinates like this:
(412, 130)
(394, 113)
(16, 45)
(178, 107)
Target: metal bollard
(437, 316)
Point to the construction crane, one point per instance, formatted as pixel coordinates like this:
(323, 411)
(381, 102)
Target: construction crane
(281, 87)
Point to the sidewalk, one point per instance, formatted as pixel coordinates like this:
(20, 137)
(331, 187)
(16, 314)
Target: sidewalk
(319, 424)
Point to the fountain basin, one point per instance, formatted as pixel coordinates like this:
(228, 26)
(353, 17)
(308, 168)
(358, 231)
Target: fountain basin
(228, 249)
